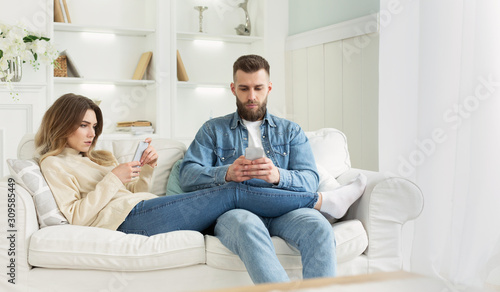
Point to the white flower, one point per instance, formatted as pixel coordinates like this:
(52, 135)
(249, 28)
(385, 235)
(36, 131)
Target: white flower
(17, 41)
(39, 47)
(3, 65)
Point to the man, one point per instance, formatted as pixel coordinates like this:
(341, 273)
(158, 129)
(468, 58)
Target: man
(216, 157)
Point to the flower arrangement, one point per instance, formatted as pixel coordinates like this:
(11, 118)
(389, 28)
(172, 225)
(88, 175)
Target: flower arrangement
(16, 41)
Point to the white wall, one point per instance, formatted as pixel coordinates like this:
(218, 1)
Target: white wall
(333, 82)
(398, 85)
(275, 36)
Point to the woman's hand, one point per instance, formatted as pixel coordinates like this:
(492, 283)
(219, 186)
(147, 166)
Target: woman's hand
(127, 171)
(149, 156)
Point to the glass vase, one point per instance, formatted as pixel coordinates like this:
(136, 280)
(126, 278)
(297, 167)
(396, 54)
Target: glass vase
(15, 68)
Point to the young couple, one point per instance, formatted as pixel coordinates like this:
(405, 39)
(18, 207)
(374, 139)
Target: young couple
(248, 200)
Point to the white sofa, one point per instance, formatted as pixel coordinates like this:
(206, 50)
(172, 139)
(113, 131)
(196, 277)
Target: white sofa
(75, 258)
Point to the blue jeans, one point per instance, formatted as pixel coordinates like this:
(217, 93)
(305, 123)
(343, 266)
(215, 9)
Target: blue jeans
(200, 209)
(249, 236)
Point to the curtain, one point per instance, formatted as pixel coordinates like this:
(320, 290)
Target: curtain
(457, 156)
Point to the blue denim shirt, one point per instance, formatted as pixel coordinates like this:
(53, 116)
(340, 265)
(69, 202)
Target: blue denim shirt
(220, 141)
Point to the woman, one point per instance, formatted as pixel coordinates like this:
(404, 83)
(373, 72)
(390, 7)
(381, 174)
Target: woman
(92, 189)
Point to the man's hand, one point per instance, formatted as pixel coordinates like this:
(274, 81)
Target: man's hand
(243, 169)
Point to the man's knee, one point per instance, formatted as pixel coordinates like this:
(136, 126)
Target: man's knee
(238, 221)
(311, 222)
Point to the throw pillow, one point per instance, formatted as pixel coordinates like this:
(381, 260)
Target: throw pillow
(326, 181)
(173, 184)
(27, 174)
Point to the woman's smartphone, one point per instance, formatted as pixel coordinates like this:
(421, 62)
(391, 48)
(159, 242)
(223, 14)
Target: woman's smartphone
(140, 149)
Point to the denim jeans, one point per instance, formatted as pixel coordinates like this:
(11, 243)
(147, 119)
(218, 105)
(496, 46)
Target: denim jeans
(249, 236)
(200, 209)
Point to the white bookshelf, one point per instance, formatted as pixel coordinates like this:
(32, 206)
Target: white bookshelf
(208, 58)
(106, 43)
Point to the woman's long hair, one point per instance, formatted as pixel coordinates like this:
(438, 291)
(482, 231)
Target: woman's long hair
(61, 120)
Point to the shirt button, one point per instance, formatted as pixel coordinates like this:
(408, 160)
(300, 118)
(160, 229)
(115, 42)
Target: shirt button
(264, 136)
(244, 138)
(267, 151)
(284, 153)
(223, 158)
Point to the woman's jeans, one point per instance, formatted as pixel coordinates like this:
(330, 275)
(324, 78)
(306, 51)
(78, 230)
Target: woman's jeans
(200, 209)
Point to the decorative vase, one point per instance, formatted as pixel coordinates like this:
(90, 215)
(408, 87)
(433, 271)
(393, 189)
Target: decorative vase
(244, 29)
(15, 68)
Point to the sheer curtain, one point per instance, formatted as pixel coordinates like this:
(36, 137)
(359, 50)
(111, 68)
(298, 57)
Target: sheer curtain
(457, 237)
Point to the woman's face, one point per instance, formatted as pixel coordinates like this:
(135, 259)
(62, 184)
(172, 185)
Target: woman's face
(82, 138)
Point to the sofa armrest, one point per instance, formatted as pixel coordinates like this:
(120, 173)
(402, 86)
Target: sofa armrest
(386, 205)
(25, 224)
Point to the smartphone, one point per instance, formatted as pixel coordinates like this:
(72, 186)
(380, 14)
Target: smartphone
(253, 153)
(140, 149)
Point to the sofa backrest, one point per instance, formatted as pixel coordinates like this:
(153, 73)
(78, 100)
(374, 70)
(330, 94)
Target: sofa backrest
(169, 151)
(329, 147)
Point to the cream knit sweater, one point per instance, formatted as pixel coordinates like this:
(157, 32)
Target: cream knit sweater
(89, 194)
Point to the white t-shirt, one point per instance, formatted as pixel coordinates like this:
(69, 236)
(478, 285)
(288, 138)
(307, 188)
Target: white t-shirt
(254, 133)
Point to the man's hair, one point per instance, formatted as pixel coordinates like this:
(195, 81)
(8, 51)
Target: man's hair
(250, 64)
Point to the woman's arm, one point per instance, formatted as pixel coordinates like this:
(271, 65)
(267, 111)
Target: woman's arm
(143, 183)
(66, 191)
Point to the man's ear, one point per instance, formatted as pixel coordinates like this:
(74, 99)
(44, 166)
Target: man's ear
(270, 86)
(233, 89)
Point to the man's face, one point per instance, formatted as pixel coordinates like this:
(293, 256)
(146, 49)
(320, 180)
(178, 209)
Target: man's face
(251, 91)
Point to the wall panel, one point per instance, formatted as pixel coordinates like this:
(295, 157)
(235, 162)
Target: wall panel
(316, 87)
(299, 88)
(335, 84)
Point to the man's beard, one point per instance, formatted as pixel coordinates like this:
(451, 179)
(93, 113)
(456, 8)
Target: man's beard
(251, 115)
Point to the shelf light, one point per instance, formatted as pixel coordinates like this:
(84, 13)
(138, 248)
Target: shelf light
(208, 43)
(97, 87)
(210, 90)
(97, 36)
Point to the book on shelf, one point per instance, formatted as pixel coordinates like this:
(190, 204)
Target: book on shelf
(135, 127)
(140, 70)
(181, 70)
(65, 11)
(139, 123)
(61, 12)
(135, 130)
(58, 14)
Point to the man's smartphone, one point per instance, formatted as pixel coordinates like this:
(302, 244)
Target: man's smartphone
(252, 153)
(140, 149)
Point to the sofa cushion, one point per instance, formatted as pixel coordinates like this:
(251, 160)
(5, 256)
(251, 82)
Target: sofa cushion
(27, 174)
(79, 247)
(350, 237)
(330, 151)
(174, 184)
(169, 151)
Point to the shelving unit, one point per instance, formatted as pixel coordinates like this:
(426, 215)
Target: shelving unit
(208, 58)
(106, 46)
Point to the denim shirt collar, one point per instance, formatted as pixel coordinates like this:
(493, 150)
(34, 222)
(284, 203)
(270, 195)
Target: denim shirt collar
(237, 120)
